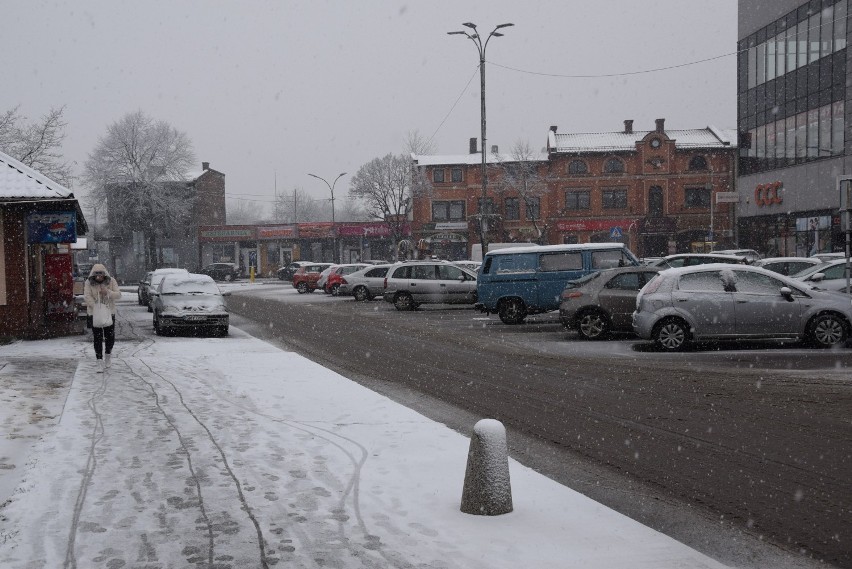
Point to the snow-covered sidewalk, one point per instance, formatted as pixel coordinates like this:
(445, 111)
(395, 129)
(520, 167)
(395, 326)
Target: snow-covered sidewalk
(229, 452)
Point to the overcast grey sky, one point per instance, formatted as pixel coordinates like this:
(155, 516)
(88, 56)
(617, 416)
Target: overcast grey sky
(283, 88)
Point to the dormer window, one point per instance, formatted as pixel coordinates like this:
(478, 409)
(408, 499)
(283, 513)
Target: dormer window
(698, 162)
(613, 166)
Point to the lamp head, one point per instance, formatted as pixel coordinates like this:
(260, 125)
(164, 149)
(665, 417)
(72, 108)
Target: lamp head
(504, 26)
(469, 25)
(497, 34)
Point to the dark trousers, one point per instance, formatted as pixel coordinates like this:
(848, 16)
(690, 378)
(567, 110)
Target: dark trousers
(104, 335)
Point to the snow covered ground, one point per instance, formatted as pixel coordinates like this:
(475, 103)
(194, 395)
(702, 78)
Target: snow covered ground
(229, 452)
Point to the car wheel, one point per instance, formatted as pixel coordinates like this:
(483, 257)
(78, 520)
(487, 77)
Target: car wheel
(302, 288)
(671, 335)
(139, 300)
(335, 290)
(361, 294)
(403, 301)
(512, 311)
(593, 325)
(827, 330)
(222, 330)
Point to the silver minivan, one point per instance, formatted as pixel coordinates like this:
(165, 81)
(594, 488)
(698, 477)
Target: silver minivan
(412, 283)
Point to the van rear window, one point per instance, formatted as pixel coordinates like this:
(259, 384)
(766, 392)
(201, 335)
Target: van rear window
(567, 261)
(514, 263)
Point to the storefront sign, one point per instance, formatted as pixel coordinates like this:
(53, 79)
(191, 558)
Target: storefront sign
(446, 238)
(768, 194)
(315, 230)
(224, 233)
(591, 224)
(451, 226)
(657, 225)
(277, 232)
(373, 229)
(52, 227)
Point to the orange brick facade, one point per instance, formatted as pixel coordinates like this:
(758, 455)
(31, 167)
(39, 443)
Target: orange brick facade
(659, 204)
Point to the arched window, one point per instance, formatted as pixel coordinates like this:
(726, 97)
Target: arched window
(578, 167)
(698, 163)
(613, 166)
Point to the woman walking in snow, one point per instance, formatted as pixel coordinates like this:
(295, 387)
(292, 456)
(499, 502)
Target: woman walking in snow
(101, 289)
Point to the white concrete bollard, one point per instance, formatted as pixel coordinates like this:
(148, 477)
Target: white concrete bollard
(487, 488)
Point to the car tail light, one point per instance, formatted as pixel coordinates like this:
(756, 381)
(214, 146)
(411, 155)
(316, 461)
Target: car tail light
(385, 285)
(343, 280)
(652, 285)
(569, 294)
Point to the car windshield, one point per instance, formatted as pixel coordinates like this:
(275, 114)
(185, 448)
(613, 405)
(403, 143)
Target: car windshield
(189, 286)
(813, 269)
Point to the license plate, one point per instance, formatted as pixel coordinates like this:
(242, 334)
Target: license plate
(196, 318)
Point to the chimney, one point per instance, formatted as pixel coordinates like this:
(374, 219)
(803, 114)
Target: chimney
(553, 128)
(661, 125)
(473, 149)
(493, 149)
(205, 165)
(628, 127)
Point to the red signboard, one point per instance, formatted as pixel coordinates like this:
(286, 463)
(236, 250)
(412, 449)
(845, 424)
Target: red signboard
(316, 230)
(371, 229)
(592, 224)
(277, 232)
(59, 287)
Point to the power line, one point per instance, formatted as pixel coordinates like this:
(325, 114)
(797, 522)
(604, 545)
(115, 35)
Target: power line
(454, 105)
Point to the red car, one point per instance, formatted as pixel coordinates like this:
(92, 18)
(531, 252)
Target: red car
(305, 279)
(335, 278)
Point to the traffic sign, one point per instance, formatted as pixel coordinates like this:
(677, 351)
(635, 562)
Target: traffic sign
(616, 233)
(727, 197)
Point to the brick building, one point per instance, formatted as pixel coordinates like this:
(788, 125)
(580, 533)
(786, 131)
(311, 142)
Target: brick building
(178, 246)
(651, 190)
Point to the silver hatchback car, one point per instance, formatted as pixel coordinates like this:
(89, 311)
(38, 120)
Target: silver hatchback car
(719, 301)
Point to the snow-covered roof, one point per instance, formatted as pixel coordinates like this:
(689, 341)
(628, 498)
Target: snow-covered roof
(470, 159)
(18, 181)
(710, 137)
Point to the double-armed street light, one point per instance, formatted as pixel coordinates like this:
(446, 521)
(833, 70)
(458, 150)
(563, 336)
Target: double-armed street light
(480, 47)
(333, 223)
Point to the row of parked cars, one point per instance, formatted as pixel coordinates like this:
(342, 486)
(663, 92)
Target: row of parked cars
(180, 300)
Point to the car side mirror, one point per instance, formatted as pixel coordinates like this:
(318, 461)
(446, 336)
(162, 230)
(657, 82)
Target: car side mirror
(787, 293)
(462, 278)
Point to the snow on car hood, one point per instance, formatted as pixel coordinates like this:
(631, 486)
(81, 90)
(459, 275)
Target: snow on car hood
(193, 303)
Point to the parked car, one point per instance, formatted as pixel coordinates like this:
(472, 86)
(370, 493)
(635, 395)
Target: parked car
(693, 259)
(189, 301)
(286, 272)
(472, 266)
(222, 271)
(323, 278)
(156, 277)
(515, 282)
(306, 277)
(413, 283)
(335, 277)
(786, 266)
(366, 283)
(825, 257)
(604, 301)
(142, 289)
(749, 254)
(717, 301)
(825, 276)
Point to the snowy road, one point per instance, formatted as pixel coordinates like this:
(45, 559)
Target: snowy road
(230, 453)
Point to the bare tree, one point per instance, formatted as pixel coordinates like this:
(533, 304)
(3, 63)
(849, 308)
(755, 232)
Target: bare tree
(521, 174)
(37, 144)
(244, 212)
(298, 206)
(387, 187)
(138, 171)
(416, 144)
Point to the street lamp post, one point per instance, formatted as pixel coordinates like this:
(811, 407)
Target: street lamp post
(333, 223)
(480, 47)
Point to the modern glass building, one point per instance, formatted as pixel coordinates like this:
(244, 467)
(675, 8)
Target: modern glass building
(792, 104)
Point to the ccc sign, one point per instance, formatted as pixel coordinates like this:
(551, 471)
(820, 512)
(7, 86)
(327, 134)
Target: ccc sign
(768, 194)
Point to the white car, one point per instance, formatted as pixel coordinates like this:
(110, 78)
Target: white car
(787, 266)
(157, 277)
(826, 276)
(365, 284)
(189, 301)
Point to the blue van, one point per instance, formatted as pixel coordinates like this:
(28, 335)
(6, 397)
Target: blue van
(529, 280)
